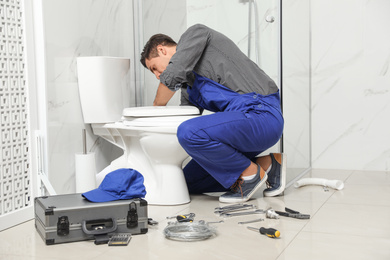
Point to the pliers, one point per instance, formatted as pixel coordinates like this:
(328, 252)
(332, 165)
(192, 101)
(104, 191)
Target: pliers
(293, 214)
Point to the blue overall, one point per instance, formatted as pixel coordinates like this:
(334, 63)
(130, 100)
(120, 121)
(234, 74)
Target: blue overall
(223, 144)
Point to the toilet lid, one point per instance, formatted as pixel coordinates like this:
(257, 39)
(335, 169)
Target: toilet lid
(160, 111)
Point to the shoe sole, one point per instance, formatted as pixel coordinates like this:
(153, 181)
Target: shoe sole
(248, 197)
(279, 191)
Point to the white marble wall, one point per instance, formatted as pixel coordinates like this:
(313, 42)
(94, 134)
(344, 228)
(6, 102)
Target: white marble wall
(167, 17)
(351, 84)
(78, 28)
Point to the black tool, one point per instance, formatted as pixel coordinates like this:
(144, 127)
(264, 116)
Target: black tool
(293, 214)
(152, 222)
(269, 232)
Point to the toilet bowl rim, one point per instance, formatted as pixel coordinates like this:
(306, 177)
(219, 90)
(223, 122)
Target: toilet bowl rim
(138, 129)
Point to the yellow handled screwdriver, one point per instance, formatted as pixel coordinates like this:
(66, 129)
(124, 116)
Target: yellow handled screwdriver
(269, 232)
(184, 217)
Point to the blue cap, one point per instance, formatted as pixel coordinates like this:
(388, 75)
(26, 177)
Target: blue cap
(121, 184)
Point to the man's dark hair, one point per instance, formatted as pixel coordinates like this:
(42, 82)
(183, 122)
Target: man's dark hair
(150, 49)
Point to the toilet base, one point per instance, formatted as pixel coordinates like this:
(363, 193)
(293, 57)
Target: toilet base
(169, 194)
(154, 152)
(163, 193)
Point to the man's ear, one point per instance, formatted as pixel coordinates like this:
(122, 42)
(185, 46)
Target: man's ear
(161, 49)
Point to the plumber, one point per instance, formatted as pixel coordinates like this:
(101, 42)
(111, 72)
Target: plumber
(213, 74)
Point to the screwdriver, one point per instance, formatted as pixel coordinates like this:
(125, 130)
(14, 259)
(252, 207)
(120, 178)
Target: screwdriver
(269, 232)
(184, 217)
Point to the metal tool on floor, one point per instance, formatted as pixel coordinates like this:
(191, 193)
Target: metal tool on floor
(257, 211)
(211, 222)
(293, 214)
(251, 221)
(233, 208)
(269, 232)
(270, 213)
(184, 218)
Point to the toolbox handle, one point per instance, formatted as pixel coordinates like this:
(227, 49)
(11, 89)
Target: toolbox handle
(100, 226)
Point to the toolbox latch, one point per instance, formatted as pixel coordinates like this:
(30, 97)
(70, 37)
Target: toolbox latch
(132, 216)
(63, 226)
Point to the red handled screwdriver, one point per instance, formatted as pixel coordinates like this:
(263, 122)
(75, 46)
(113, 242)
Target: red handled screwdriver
(269, 232)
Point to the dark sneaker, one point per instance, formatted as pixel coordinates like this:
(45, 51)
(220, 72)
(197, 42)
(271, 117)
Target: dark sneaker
(276, 182)
(241, 190)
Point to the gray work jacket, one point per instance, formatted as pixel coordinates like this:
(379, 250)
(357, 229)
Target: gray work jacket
(214, 56)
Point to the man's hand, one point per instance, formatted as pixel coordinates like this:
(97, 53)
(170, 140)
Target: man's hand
(163, 95)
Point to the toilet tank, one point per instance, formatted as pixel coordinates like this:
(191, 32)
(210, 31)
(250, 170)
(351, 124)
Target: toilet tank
(104, 88)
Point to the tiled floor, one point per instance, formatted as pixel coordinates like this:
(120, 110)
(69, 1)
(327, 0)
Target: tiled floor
(353, 223)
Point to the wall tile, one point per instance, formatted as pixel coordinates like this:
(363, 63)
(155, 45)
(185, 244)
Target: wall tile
(350, 85)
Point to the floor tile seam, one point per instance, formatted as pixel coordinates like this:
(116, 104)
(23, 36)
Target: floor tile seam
(307, 199)
(330, 192)
(349, 175)
(303, 227)
(363, 236)
(327, 202)
(22, 254)
(384, 184)
(358, 204)
(373, 171)
(301, 230)
(330, 197)
(293, 239)
(102, 254)
(30, 256)
(316, 171)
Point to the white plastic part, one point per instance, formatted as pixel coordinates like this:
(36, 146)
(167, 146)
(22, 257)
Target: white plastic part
(154, 111)
(334, 184)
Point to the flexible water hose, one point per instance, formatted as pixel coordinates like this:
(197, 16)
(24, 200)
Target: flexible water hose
(335, 184)
(189, 231)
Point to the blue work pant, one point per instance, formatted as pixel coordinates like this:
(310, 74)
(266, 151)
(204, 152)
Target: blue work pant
(222, 145)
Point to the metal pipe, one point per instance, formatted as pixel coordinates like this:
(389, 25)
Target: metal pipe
(249, 27)
(84, 134)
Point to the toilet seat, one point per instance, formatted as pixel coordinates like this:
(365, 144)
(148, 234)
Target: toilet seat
(156, 116)
(157, 111)
(155, 121)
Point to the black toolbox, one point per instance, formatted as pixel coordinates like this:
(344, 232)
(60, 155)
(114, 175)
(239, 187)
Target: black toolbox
(71, 217)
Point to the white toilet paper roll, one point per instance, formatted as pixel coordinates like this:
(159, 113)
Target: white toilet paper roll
(85, 172)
